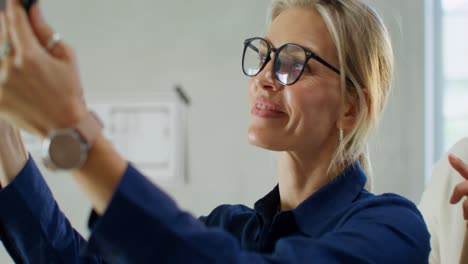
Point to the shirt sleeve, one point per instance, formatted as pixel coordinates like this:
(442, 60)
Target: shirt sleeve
(433, 200)
(32, 227)
(444, 220)
(144, 225)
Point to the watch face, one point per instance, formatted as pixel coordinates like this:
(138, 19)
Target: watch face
(66, 150)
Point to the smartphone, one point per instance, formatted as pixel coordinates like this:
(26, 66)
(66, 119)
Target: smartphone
(26, 3)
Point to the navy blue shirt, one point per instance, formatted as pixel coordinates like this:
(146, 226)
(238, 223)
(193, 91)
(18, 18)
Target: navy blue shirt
(340, 223)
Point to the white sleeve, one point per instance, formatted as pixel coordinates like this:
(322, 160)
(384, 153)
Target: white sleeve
(429, 207)
(444, 220)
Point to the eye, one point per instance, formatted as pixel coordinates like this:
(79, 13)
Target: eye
(262, 56)
(296, 68)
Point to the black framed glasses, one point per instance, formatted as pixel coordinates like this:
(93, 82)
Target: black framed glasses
(289, 62)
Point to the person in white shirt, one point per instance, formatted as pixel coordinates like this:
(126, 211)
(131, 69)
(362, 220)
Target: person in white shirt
(445, 218)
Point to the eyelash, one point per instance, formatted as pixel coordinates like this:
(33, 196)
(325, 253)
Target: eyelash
(307, 68)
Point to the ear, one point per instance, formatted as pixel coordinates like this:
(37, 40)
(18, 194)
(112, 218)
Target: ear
(350, 110)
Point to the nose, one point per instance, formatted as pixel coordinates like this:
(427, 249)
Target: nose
(266, 80)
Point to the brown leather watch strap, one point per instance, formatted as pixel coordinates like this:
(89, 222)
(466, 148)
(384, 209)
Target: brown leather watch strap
(89, 128)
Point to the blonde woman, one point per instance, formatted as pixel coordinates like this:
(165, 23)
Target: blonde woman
(318, 83)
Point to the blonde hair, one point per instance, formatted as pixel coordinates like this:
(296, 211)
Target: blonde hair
(365, 56)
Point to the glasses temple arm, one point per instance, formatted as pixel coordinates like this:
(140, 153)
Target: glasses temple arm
(325, 63)
(249, 44)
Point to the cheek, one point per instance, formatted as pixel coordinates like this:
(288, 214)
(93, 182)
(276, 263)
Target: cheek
(314, 104)
(251, 90)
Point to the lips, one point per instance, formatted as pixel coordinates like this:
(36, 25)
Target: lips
(267, 109)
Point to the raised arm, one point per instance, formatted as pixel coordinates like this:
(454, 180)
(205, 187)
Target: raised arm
(41, 91)
(32, 227)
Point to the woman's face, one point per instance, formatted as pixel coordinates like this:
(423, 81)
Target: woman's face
(305, 115)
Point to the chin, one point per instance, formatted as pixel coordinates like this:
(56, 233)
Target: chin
(269, 142)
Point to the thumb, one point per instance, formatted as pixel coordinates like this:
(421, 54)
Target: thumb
(44, 33)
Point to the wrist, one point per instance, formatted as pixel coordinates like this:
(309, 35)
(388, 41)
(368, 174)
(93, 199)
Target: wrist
(9, 171)
(13, 155)
(103, 152)
(71, 113)
(68, 148)
(101, 173)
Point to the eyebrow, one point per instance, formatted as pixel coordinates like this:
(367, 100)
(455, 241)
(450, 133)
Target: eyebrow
(309, 48)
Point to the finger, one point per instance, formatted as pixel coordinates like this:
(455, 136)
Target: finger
(465, 209)
(3, 41)
(44, 33)
(3, 30)
(19, 30)
(459, 191)
(458, 165)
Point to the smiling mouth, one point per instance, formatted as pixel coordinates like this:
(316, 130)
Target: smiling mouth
(266, 111)
(261, 106)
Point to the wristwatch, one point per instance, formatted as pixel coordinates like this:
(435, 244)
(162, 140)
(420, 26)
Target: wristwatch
(67, 149)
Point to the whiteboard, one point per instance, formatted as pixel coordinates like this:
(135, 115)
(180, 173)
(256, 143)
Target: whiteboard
(150, 135)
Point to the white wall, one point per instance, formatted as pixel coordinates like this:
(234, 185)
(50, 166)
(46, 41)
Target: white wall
(398, 150)
(134, 49)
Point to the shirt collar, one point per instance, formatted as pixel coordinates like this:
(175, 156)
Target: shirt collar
(314, 213)
(268, 206)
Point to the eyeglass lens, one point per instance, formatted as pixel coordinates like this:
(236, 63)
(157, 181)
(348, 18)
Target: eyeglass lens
(288, 63)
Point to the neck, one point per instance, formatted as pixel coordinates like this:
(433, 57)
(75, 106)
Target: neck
(301, 175)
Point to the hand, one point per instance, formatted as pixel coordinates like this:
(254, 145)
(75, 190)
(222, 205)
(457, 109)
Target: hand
(461, 190)
(40, 89)
(13, 155)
